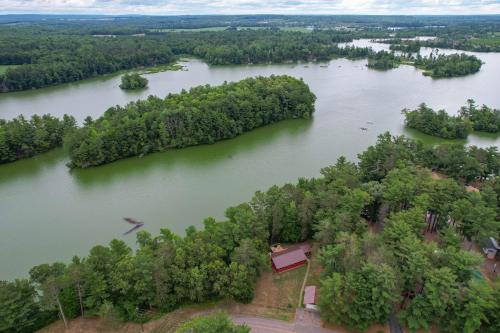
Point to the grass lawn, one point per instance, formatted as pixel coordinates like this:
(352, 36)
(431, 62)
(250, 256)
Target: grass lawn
(3, 68)
(316, 269)
(276, 294)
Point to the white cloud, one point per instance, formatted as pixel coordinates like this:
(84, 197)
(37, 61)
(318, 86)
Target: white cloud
(170, 7)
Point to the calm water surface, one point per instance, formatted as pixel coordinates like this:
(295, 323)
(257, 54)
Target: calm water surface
(48, 213)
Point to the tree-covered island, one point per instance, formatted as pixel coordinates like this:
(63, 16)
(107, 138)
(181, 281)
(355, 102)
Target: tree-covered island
(435, 65)
(133, 81)
(202, 115)
(441, 124)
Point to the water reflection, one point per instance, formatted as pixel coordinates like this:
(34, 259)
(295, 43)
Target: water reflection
(31, 168)
(197, 158)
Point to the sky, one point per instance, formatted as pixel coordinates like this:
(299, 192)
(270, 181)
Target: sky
(195, 7)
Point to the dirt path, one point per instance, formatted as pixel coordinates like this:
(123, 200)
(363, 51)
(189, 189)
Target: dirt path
(299, 305)
(305, 322)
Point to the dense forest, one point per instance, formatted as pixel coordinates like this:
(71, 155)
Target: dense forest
(452, 65)
(21, 138)
(437, 123)
(383, 60)
(50, 60)
(44, 51)
(440, 123)
(133, 81)
(366, 275)
(484, 119)
(487, 42)
(202, 115)
(434, 65)
(61, 58)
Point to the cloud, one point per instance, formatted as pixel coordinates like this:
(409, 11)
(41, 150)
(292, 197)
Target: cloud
(171, 7)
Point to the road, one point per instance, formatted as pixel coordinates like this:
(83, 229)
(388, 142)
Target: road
(305, 322)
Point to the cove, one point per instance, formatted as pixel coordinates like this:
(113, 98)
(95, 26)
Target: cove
(48, 213)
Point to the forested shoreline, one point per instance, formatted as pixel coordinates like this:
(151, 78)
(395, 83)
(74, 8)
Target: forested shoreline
(52, 60)
(202, 115)
(21, 138)
(60, 55)
(441, 124)
(366, 275)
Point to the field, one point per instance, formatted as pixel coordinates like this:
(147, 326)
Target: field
(296, 29)
(3, 68)
(190, 30)
(492, 39)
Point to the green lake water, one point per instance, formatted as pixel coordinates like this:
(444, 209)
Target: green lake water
(48, 213)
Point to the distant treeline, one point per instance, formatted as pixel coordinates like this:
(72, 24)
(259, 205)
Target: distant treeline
(44, 58)
(440, 123)
(21, 138)
(202, 115)
(45, 61)
(42, 61)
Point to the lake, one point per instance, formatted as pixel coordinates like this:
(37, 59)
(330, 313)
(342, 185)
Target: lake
(48, 213)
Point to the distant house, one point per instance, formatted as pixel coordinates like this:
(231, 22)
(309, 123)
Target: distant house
(491, 248)
(310, 297)
(290, 258)
(470, 188)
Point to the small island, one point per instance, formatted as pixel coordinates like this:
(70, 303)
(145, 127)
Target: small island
(202, 115)
(435, 65)
(133, 81)
(383, 60)
(441, 124)
(453, 65)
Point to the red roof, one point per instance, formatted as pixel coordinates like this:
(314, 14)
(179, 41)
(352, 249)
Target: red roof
(310, 295)
(288, 257)
(305, 247)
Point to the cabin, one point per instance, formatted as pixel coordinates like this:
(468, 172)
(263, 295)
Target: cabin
(290, 258)
(470, 188)
(491, 248)
(310, 297)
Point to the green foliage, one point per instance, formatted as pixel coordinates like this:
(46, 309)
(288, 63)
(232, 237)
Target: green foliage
(360, 298)
(433, 302)
(452, 65)
(203, 115)
(215, 323)
(133, 81)
(473, 310)
(366, 275)
(483, 119)
(383, 60)
(66, 58)
(19, 310)
(473, 218)
(437, 123)
(20, 138)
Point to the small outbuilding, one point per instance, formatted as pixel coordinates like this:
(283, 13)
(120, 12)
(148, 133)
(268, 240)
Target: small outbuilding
(289, 258)
(310, 297)
(491, 248)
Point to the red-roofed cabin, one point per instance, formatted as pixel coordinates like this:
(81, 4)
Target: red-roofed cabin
(290, 258)
(310, 297)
